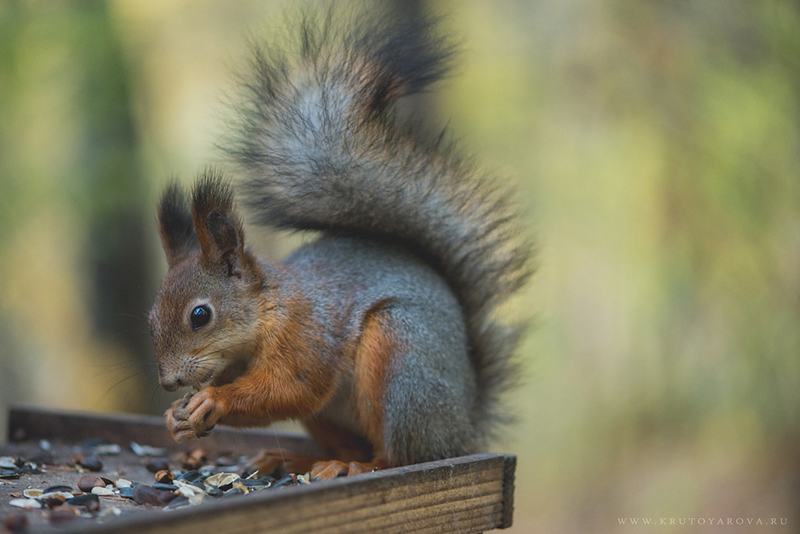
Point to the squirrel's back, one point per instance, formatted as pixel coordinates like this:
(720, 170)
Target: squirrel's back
(324, 149)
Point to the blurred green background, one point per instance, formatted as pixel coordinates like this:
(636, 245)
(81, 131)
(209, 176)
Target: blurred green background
(656, 148)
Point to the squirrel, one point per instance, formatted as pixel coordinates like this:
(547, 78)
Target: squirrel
(379, 335)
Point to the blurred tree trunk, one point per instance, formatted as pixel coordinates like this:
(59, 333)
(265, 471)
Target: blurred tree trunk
(69, 167)
(116, 196)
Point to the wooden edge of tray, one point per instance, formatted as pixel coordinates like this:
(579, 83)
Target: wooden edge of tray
(30, 423)
(465, 494)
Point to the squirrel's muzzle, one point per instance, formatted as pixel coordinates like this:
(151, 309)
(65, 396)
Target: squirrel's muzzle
(170, 381)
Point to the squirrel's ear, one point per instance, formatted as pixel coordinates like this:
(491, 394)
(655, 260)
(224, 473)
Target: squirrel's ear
(219, 229)
(175, 225)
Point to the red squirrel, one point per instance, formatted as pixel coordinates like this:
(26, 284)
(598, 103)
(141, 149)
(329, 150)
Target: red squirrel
(379, 335)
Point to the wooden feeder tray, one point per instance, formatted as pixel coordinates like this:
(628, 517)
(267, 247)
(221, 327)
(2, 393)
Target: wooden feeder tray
(467, 494)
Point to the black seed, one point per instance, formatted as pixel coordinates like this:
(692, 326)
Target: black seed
(53, 489)
(45, 458)
(144, 494)
(258, 483)
(249, 470)
(156, 465)
(167, 496)
(28, 470)
(83, 500)
(178, 502)
(190, 476)
(288, 480)
(90, 463)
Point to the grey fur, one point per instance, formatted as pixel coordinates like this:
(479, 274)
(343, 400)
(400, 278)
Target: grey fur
(323, 149)
(431, 384)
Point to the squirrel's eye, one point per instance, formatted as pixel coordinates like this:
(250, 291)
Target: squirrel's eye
(200, 316)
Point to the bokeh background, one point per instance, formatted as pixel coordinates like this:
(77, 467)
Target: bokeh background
(656, 149)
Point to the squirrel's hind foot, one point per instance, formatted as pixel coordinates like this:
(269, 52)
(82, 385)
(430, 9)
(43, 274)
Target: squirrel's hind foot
(334, 468)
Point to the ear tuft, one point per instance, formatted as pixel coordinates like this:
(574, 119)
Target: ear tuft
(222, 232)
(218, 227)
(175, 226)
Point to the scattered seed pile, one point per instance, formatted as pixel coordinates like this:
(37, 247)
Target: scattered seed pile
(86, 492)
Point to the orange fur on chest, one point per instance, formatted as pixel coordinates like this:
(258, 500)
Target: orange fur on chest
(287, 377)
(290, 379)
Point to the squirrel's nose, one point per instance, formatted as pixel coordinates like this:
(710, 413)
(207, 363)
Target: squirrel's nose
(170, 384)
(170, 381)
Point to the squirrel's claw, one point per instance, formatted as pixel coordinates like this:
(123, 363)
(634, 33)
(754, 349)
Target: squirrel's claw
(203, 411)
(177, 420)
(195, 417)
(334, 468)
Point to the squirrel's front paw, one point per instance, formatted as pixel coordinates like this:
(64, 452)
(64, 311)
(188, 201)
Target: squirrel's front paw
(194, 417)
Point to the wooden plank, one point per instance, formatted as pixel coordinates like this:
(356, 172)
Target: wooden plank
(456, 495)
(509, 474)
(468, 494)
(37, 423)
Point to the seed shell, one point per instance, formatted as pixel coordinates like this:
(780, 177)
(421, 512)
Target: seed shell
(147, 450)
(59, 488)
(27, 504)
(164, 476)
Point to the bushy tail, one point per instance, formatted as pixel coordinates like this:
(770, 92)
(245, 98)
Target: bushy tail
(323, 149)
